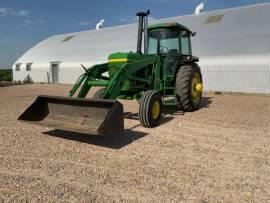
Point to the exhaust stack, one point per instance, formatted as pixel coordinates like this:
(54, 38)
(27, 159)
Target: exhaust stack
(143, 27)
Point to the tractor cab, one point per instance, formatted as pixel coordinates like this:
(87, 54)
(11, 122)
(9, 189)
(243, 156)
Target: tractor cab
(171, 41)
(169, 38)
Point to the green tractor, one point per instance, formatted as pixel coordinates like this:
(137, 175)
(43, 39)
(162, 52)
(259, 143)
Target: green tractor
(164, 75)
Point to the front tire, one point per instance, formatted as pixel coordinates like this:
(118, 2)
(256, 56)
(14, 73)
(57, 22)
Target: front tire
(150, 109)
(189, 87)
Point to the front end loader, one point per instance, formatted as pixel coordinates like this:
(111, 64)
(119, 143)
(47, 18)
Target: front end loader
(165, 74)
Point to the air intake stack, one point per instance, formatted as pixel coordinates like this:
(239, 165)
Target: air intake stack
(143, 27)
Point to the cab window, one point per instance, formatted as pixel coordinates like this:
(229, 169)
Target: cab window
(169, 42)
(185, 43)
(153, 42)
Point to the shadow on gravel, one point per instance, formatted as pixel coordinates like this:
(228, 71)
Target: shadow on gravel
(205, 102)
(169, 113)
(165, 119)
(134, 116)
(113, 142)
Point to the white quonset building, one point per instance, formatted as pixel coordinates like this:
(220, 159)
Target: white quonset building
(233, 46)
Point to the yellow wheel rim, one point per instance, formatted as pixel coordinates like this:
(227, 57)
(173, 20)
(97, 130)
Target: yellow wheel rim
(196, 87)
(156, 110)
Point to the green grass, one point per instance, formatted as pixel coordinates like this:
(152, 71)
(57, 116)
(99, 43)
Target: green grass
(5, 75)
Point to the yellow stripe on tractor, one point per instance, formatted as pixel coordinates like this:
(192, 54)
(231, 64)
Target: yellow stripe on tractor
(118, 60)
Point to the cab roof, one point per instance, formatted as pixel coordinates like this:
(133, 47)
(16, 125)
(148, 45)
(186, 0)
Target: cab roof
(168, 25)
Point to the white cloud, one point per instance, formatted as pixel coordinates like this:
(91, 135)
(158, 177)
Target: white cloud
(26, 22)
(20, 12)
(11, 12)
(3, 11)
(84, 23)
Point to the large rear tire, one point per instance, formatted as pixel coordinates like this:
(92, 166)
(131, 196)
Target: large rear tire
(189, 87)
(150, 109)
(99, 93)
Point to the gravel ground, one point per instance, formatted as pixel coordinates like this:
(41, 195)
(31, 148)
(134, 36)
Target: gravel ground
(219, 153)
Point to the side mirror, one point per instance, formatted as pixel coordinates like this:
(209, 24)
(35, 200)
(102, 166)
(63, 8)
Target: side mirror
(193, 34)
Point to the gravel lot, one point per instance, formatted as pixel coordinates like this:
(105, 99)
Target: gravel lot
(220, 153)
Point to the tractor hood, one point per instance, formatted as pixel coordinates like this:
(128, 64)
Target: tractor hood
(116, 60)
(121, 57)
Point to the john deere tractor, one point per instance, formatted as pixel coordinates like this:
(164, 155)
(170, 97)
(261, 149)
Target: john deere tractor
(165, 74)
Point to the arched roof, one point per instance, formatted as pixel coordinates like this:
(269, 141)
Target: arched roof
(242, 30)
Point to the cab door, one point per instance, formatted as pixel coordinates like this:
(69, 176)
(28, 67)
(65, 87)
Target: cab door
(169, 49)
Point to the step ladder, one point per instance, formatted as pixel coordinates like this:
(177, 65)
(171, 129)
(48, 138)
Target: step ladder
(169, 92)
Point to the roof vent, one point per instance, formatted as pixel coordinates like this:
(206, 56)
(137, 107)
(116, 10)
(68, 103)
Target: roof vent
(68, 38)
(214, 19)
(200, 8)
(100, 24)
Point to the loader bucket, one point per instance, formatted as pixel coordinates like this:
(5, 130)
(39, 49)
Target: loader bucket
(90, 116)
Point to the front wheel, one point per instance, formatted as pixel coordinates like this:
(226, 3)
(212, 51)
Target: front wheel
(150, 109)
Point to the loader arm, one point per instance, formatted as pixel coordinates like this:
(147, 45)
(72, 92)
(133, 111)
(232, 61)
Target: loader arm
(125, 72)
(94, 72)
(93, 77)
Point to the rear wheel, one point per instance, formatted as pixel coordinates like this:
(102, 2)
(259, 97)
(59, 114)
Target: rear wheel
(189, 87)
(150, 109)
(99, 93)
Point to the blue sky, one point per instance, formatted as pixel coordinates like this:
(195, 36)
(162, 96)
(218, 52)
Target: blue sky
(26, 22)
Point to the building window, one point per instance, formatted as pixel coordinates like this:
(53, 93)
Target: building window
(28, 66)
(18, 66)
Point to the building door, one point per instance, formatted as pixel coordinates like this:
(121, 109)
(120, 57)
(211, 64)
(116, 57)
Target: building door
(55, 73)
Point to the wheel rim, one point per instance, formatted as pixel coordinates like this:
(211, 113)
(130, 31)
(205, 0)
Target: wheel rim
(156, 110)
(196, 87)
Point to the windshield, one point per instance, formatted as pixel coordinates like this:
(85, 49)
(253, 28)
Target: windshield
(169, 42)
